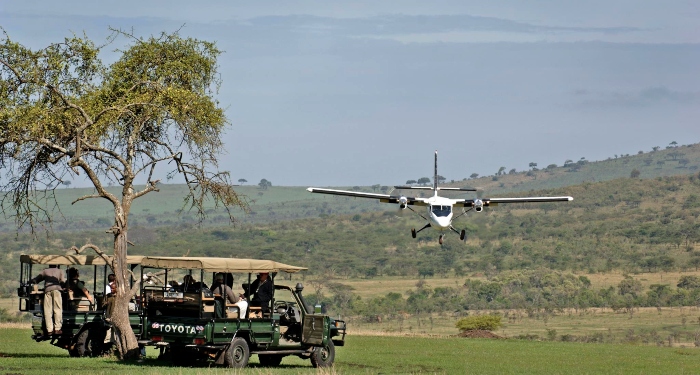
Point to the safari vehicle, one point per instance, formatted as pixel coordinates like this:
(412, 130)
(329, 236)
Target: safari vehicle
(197, 325)
(84, 326)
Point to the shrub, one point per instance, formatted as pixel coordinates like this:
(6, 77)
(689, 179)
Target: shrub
(474, 322)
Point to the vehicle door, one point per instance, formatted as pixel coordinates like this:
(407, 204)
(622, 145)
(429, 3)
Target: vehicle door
(315, 328)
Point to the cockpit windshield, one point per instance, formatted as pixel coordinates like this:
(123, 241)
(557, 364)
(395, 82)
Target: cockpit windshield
(441, 211)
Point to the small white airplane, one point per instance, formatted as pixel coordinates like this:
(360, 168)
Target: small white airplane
(440, 209)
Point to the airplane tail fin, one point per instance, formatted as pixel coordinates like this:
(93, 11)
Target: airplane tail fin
(435, 178)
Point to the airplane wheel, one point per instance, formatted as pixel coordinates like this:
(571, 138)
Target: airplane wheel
(463, 235)
(440, 240)
(413, 232)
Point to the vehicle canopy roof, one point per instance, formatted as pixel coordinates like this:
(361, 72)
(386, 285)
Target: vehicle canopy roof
(71, 260)
(233, 265)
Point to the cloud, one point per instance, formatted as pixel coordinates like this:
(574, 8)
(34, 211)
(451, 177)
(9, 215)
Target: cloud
(647, 97)
(397, 24)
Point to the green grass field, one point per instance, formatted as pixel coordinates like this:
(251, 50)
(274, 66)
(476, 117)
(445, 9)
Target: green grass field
(386, 355)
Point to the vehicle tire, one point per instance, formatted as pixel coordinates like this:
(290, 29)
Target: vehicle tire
(237, 354)
(270, 360)
(323, 356)
(413, 232)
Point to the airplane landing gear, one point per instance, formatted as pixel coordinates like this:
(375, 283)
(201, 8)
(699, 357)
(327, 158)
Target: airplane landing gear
(463, 235)
(441, 237)
(414, 231)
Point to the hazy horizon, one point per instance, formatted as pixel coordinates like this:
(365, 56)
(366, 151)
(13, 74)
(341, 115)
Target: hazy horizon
(325, 94)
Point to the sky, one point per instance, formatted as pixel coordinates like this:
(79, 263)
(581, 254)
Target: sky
(330, 93)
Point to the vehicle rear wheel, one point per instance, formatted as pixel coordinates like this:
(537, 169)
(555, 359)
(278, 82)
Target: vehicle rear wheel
(270, 360)
(237, 354)
(323, 356)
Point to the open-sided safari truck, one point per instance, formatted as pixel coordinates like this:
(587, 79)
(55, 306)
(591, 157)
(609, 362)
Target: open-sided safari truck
(197, 325)
(84, 329)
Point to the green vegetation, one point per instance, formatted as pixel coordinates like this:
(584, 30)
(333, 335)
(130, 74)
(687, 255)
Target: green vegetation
(388, 355)
(474, 322)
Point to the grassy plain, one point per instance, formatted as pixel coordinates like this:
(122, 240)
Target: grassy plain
(387, 355)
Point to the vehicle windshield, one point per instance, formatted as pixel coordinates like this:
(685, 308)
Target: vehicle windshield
(441, 210)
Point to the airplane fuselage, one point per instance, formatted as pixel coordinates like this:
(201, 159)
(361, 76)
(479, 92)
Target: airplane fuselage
(440, 212)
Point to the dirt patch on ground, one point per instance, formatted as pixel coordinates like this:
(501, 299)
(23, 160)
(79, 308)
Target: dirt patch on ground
(479, 334)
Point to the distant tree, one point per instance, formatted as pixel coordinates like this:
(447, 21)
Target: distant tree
(501, 171)
(375, 187)
(423, 181)
(656, 148)
(635, 173)
(675, 155)
(441, 179)
(673, 144)
(660, 163)
(411, 182)
(242, 181)
(648, 161)
(551, 166)
(629, 286)
(512, 171)
(264, 184)
(356, 188)
(474, 175)
(689, 282)
(66, 184)
(684, 162)
(384, 189)
(533, 165)
(694, 262)
(568, 162)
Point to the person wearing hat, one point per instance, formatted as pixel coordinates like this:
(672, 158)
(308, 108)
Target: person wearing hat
(262, 289)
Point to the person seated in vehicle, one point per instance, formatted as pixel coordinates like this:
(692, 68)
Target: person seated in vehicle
(78, 287)
(222, 289)
(262, 290)
(242, 305)
(189, 284)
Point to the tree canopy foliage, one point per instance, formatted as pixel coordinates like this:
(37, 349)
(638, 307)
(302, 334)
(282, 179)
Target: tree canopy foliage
(64, 113)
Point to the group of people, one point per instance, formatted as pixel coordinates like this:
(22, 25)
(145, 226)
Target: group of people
(54, 284)
(261, 290)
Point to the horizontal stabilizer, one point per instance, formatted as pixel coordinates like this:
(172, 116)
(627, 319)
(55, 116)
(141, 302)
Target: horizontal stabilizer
(414, 187)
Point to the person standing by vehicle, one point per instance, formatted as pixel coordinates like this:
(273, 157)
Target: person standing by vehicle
(111, 285)
(77, 286)
(262, 290)
(53, 301)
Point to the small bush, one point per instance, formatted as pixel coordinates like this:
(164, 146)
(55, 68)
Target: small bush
(474, 322)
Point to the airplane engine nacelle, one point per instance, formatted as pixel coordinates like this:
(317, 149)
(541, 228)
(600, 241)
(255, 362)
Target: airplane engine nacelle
(403, 201)
(478, 205)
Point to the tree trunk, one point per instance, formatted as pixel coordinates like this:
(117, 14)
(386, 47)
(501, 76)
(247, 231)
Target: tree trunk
(125, 340)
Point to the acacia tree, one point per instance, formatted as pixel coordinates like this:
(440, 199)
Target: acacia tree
(64, 113)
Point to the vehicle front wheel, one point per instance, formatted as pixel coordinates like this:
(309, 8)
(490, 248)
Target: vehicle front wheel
(270, 360)
(237, 354)
(323, 356)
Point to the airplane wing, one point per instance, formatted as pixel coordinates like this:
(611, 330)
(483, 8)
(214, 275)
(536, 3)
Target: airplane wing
(384, 198)
(432, 188)
(495, 201)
